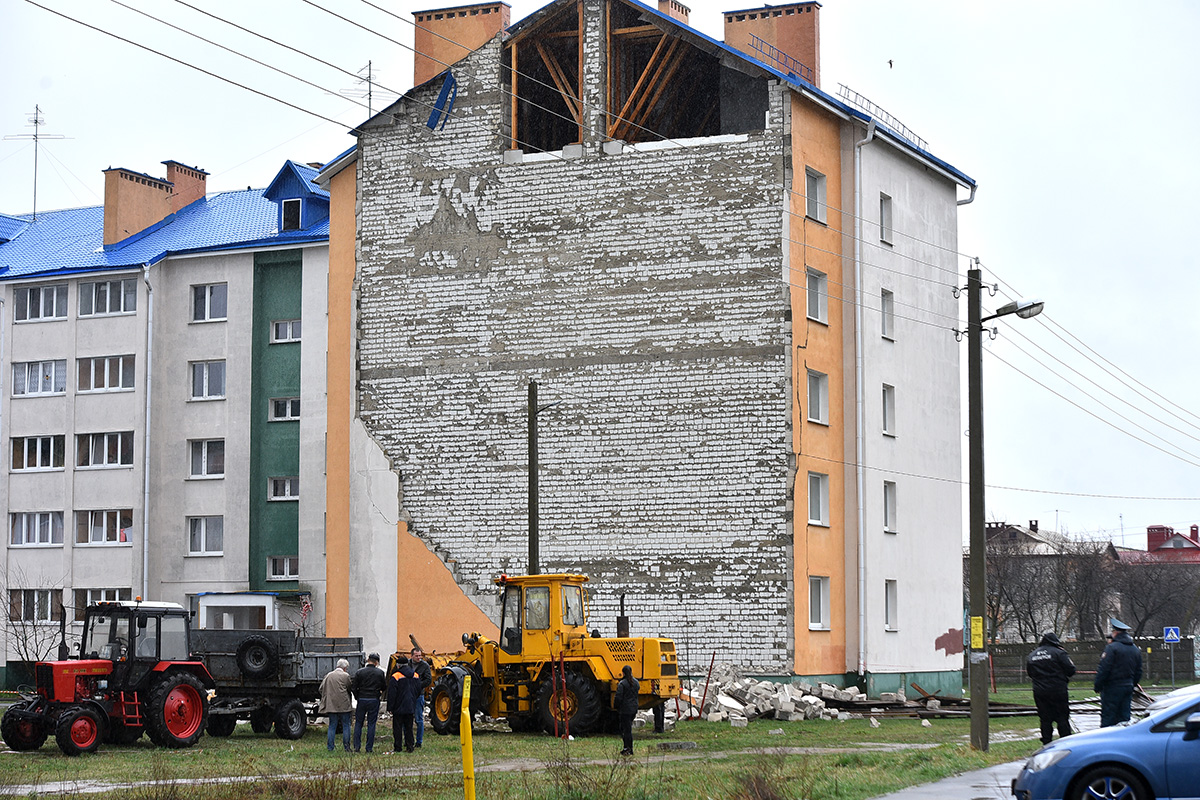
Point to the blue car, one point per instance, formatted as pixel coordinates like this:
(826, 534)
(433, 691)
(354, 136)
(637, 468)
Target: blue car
(1157, 758)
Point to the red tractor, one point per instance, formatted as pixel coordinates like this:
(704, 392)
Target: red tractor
(133, 674)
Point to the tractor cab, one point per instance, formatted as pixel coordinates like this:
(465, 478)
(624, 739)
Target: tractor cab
(135, 637)
(540, 615)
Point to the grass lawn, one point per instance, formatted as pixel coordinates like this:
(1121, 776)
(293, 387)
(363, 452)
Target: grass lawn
(810, 760)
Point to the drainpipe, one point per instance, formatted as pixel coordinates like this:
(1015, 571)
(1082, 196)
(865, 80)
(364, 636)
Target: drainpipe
(969, 200)
(860, 481)
(146, 437)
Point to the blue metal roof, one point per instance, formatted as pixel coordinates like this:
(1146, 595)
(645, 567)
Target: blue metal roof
(11, 227)
(64, 242)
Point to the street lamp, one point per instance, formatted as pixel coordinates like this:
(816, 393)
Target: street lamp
(977, 652)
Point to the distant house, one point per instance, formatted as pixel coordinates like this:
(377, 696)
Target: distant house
(157, 354)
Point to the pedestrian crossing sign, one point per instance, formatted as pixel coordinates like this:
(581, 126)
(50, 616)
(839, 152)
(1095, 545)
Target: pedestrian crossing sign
(1171, 635)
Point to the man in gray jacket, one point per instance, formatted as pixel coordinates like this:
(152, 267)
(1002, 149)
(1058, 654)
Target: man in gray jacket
(335, 703)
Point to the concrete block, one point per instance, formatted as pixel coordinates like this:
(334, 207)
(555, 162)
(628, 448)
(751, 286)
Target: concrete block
(889, 697)
(874, 722)
(926, 723)
(613, 148)
(738, 722)
(775, 732)
(514, 156)
(933, 704)
(572, 151)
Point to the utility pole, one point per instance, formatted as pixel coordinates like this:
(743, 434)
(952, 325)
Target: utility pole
(36, 121)
(977, 653)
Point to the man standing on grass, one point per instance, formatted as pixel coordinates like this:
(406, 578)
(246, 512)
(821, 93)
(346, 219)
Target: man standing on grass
(1051, 669)
(423, 671)
(368, 685)
(336, 704)
(626, 703)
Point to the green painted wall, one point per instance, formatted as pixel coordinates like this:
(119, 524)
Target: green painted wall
(274, 446)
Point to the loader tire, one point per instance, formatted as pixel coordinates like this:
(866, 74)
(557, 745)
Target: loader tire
(579, 708)
(445, 705)
(21, 732)
(178, 711)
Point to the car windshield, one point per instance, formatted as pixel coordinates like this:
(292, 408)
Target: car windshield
(1177, 721)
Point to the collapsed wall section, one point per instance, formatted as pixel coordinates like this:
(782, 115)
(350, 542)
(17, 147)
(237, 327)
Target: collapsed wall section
(642, 291)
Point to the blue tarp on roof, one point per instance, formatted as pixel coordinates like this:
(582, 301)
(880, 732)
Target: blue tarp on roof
(61, 242)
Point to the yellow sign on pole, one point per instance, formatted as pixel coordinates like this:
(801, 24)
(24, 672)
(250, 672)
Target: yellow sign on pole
(976, 633)
(464, 736)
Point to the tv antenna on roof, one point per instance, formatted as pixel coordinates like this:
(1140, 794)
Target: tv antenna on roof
(35, 122)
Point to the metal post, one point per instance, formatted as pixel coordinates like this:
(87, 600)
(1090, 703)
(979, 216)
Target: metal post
(978, 537)
(533, 479)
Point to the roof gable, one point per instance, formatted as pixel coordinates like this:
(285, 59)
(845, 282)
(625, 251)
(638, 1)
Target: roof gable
(295, 181)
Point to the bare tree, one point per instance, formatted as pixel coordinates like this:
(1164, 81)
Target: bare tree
(1157, 593)
(33, 628)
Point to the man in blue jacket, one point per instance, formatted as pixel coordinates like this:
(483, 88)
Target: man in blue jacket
(1119, 671)
(1051, 669)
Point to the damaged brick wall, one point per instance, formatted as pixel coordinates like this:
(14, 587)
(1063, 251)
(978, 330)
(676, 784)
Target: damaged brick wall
(643, 291)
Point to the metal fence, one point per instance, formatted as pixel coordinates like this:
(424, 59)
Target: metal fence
(1008, 660)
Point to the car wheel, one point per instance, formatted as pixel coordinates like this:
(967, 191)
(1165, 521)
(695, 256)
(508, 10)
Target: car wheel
(1110, 783)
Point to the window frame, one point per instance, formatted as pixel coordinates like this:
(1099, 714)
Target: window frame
(822, 496)
(124, 366)
(199, 526)
(818, 295)
(205, 455)
(814, 195)
(202, 304)
(887, 314)
(205, 383)
(294, 331)
(820, 382)
(890, 510)
(886, 231)
(38, 368)
(891, 605)
(284, 208)
(59, 304)
(290, 416)
(85, 527)
(32, 538)
(124, 446)
(286, 574)
(290, 482)
(54, 606)
(58, 452)
(888, 400)
(821, 620)
(86, 597)
(89, 294)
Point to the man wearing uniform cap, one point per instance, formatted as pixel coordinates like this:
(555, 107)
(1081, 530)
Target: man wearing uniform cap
(1119, 671)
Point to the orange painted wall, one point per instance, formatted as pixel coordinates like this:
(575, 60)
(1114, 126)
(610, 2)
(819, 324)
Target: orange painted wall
(794, 29)
(818, 550)
(343, 231)
(445, 36)
(429, 604)
(132, 203)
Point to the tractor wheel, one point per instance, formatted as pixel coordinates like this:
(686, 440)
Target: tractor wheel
(579, 707)
(79, 731)
(21, 732)
(445, 705)
(178, 710)
(123, 734)
(256, 657)
(291, 719)
(261, 719)
(220, 725)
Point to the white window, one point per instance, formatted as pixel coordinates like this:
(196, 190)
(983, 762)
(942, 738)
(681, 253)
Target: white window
(889, 410)
(104, 526)
(283, 568)
(39, 378)
(885, 218)
(105, 374)
(818, 498)
(814, 183)
(38, 452)
(38, 303)
(34, 605)
(208, 380)
(818, 604)
(284, 408)
(887, 314)
(209, 302)
(284, 488)
(113, 449)
(108, 297)
(206, 536)
(818, 397)
(208, 458)
(291, 215)
(285, 330)
(90, 597)
(35, 528)
(818, 296)
(889, 506)
(891, 613)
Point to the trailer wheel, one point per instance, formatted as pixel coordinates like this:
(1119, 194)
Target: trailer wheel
(578, 707)
(220, 725)
(291, 719)
(445, 705)
(178, 711)
(21, 732)
(256, 657)
(261, 719)
(79, 732)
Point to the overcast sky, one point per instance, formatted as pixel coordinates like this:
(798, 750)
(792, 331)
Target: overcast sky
(1075, 118)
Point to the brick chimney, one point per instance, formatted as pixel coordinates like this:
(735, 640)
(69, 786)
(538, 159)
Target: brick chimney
(189, 183)
(1033, 525)
(674, 9)
(1195, 537)
(793, 30)
(1157, 536)
(133, 202)
(444, 36)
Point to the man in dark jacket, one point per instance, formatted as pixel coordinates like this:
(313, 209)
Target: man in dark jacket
(1119, 671)
(422, 670)
(1051, 669)
(403, 688)
(626, 703)
(368, 685)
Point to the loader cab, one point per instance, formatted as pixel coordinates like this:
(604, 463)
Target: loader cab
(538, 613)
